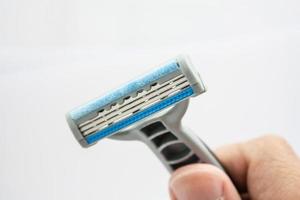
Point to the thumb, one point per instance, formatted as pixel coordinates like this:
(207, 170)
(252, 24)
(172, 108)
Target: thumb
(201, 182)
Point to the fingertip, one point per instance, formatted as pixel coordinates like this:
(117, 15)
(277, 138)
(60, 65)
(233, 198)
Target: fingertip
(201, 182)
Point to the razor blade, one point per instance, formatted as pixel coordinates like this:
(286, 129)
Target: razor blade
(148, 109)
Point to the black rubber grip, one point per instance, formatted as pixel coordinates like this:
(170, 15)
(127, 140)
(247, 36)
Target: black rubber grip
(175, 152)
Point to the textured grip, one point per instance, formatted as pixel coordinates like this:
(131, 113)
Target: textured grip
(176, 148)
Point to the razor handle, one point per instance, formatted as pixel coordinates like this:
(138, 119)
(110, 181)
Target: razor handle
(174, 145)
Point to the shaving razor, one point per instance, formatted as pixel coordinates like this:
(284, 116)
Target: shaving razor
(148, 109)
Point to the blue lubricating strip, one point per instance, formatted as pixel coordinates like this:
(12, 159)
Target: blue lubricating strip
(140, 115)
(132, 86)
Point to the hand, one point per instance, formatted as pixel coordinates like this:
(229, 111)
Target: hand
(262, 169)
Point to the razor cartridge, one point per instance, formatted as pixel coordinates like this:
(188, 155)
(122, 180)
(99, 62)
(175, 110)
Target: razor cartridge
(148, 109)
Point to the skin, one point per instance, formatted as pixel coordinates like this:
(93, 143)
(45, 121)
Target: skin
(265, 168)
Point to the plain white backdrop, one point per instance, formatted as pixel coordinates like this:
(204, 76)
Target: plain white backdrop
(57, 54)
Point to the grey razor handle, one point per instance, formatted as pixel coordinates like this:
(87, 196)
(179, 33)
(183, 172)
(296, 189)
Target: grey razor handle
(174, 145)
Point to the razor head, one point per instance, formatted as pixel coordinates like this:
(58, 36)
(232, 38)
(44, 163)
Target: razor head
(137, 100)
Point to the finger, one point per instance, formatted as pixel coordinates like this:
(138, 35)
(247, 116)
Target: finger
(235, 163)
(201, 182)
(262, 165)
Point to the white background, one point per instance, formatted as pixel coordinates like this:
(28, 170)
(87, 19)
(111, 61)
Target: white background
(57, 54)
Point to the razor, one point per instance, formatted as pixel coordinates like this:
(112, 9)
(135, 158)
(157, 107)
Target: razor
(148, 109)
